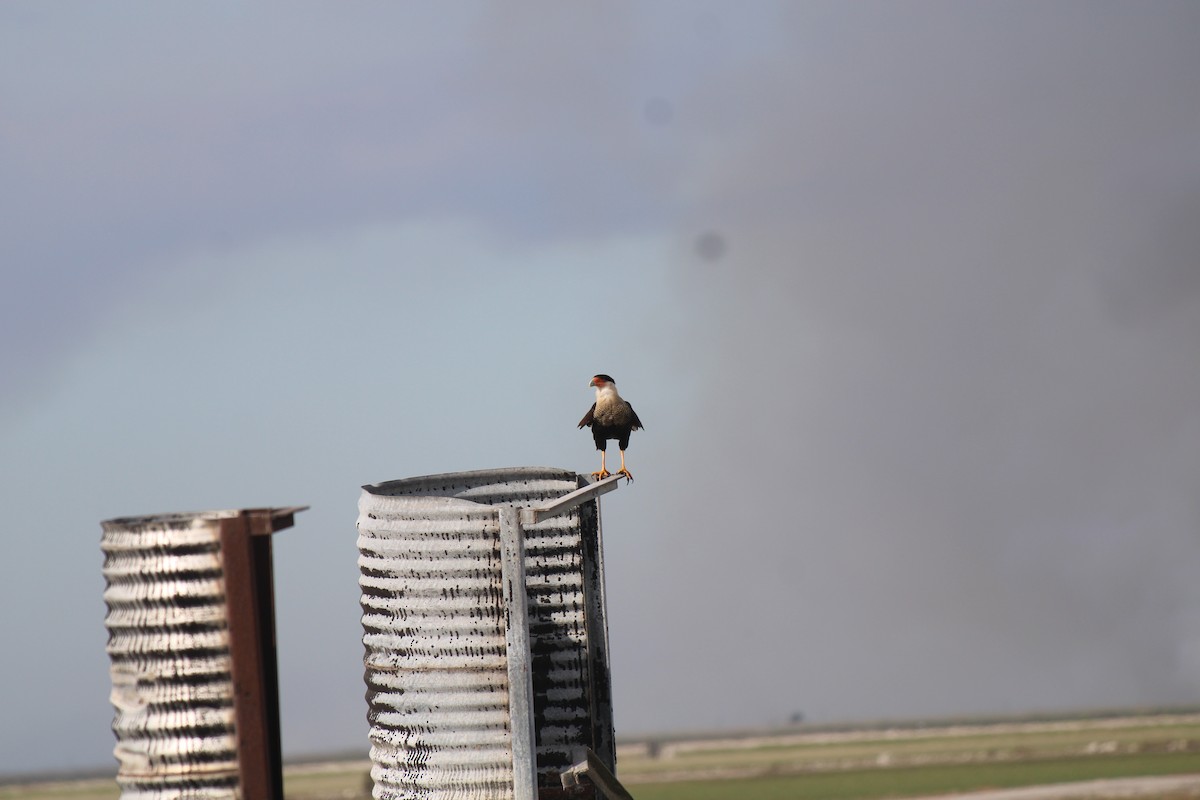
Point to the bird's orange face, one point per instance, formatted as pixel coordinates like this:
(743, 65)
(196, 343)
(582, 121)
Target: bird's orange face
(598, 382)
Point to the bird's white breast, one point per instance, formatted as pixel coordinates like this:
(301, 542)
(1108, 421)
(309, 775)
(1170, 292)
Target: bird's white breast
(609, 405)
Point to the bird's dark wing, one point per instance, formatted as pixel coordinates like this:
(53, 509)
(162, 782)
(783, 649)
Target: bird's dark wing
(637, 423)
(587, 418)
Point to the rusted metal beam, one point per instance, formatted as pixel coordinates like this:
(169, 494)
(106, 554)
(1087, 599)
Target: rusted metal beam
(265, 521)
(246, 555)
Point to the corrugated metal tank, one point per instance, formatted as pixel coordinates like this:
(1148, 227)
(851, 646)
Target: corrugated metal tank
(433, 618)
(168, 644)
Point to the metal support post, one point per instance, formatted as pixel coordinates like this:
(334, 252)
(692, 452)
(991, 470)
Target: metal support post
(599, 774)
(520, 674)
(603, 739)
(593, 589)
(529, 516)
(250, 597)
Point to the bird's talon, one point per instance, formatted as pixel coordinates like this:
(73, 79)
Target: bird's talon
(601, 475)
(628, 475)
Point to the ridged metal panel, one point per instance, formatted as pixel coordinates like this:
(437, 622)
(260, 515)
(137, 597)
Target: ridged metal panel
(558, 639)
(437, 684)
(169, 650)
(437, 514)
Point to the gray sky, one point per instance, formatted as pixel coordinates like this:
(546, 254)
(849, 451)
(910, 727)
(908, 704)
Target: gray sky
(908, 297)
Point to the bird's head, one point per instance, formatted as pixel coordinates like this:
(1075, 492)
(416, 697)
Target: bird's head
(601, 381)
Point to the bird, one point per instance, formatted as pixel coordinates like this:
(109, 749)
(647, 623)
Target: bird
(610, 417)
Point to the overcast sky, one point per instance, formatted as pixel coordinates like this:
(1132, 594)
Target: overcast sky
(907, 295)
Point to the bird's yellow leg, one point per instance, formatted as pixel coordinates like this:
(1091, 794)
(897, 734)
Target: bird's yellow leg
(622, 470)
(603, 473)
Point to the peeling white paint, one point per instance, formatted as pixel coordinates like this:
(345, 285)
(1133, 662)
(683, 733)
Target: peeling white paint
(172, 690)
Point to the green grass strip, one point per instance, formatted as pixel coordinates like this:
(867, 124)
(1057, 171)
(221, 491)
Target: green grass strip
(915, 781)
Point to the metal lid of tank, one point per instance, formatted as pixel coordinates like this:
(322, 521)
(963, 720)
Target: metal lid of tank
(519, 486)
(187, 519)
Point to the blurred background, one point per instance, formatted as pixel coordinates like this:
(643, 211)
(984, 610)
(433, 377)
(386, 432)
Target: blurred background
(907, 296)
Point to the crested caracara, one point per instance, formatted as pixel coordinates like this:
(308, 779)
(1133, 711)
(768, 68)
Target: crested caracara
(610, 417)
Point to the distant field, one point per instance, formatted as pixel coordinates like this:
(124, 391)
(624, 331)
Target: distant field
(800, 764)
(909, 762)
(1176, 737)
(914, 781)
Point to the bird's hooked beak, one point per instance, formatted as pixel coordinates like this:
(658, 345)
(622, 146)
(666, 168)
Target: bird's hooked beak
(594, 382)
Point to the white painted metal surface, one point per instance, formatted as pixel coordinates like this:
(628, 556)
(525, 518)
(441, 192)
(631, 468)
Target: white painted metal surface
(169, 650)
(436, 670)
(433, 616)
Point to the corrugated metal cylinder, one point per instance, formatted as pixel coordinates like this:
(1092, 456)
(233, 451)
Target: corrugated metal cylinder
(433, 618)
(169, 649)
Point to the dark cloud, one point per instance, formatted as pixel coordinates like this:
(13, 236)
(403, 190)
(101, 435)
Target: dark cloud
(950, 363)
